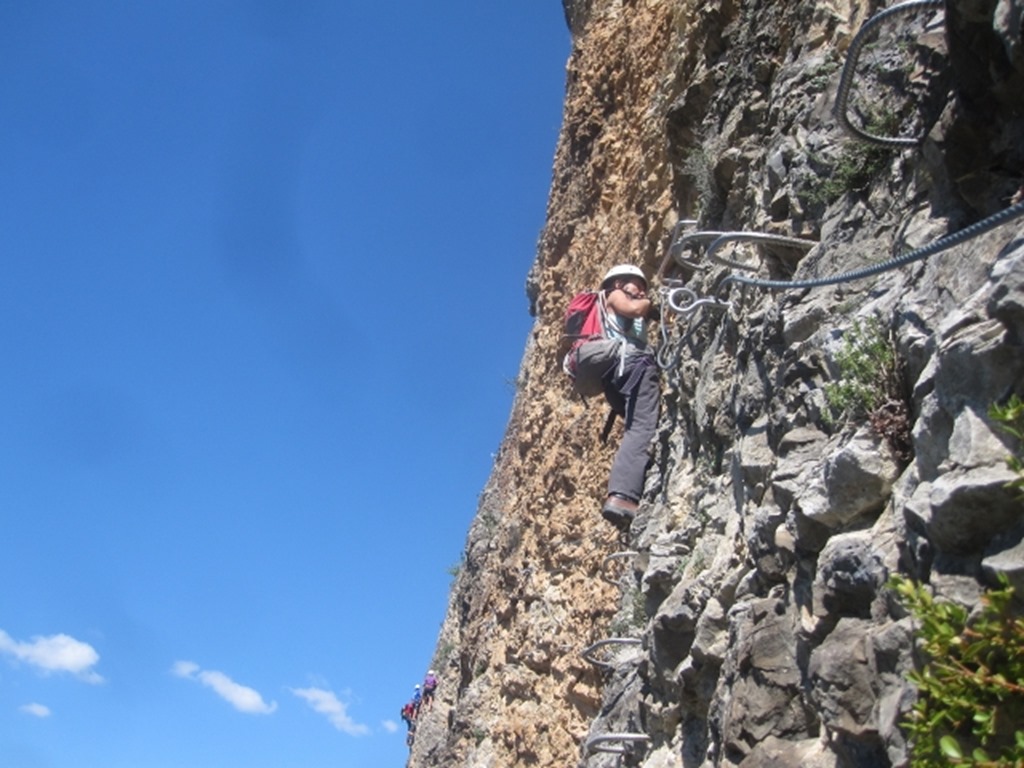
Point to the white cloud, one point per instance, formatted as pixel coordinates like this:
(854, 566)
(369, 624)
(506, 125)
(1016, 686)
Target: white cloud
(241, 697)
(389, 725)
(36, 710)
(336, 711)
(184, 668)
(56, 653)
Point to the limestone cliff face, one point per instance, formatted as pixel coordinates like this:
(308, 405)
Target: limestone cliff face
(749, 595)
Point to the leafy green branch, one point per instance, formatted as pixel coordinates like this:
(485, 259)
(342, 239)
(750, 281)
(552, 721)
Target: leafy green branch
(970, 705)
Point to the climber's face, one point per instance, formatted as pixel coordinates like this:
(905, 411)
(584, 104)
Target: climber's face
(633, 286)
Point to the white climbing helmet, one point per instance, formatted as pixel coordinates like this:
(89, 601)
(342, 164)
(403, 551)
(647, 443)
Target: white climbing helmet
(431, 672)
(623, 270)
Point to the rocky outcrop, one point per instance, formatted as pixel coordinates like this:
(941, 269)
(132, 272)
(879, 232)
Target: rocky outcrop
(750, 595)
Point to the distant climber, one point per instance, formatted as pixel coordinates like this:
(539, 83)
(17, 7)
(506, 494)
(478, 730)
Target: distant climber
(409, 716)
(611, 355)
(417, 699)
(429, 686)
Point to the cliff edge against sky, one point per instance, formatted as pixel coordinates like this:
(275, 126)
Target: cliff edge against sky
(748, 607)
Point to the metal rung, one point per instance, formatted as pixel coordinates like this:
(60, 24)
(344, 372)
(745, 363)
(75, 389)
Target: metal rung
(615, 556)
(588, 652)
(596, 743)
(672, 242)
(691, 238)
(754, 237)
(694, 302)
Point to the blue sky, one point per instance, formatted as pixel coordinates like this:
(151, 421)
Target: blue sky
(261, 303)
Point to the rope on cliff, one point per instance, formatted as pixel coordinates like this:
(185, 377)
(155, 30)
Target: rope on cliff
(597, 743)
(588, 652)
(846, 80)
(942, 244)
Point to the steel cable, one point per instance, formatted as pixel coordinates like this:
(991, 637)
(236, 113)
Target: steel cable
(942, 244)
(846, 80)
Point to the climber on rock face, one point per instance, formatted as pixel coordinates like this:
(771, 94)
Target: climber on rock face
(607, 330)
(417, 698)
(429, 686)
(409, 716)
(631, 388)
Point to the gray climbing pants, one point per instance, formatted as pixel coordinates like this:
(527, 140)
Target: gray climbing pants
(636, 396)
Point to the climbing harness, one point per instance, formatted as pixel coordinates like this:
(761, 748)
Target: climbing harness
(846, 80)
(597, 743)
(588, 653)
(942, 244)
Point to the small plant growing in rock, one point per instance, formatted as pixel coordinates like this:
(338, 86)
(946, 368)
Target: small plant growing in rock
(867, 367)
(1010, 418)
(681, 564)
(488, 521)
(868, 386)
(698, 167)
(632, 616)
(970, 686)
(699, 561)
(639, 609)
(818, 77)
(857, 164)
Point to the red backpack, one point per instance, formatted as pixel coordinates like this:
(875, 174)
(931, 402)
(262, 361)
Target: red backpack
(582, 322)
(591, 355)
(583, 318)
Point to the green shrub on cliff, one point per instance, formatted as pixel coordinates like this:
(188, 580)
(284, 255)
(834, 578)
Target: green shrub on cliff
(970, 686)
(857, 164)
(868, 386)
(867, 370)
(1010, 418)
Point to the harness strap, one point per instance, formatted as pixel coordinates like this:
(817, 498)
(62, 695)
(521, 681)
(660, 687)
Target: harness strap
(609, 422)
(646, 361)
